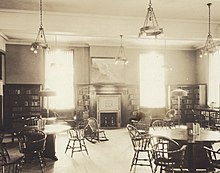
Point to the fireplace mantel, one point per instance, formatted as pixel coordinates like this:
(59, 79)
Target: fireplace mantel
(109, 110)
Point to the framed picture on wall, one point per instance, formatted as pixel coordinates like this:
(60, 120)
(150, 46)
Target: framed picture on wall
(104, 70)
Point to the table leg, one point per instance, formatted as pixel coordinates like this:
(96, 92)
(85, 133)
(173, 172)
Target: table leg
(191, 164)
(49, 151)
(197, 157)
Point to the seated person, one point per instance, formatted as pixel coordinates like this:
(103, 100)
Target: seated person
(137, 117)
(141, 117)
(171, 114)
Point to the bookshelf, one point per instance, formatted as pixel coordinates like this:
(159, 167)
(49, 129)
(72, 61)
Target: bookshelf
(133, 100)
(83, 100)
(196, 99)
(21, 101)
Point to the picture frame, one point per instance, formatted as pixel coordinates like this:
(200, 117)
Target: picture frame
(104, 70)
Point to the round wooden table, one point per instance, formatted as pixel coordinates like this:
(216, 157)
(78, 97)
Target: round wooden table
(195, 157)
(51, 130)
(180, 133)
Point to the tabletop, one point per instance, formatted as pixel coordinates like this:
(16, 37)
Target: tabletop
(56, 128)
(180, 133)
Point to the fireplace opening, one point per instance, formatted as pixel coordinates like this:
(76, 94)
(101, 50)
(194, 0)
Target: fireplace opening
(109, 110)
(108, 119)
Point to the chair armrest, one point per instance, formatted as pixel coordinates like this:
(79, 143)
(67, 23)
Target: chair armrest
(211, 150)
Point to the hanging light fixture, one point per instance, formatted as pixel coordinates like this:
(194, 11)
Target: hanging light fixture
(121, 54)
(40, 41)
(209, 44)
(151, 27)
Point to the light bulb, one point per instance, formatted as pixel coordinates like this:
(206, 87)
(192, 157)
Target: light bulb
(32, 48)
(126, 62)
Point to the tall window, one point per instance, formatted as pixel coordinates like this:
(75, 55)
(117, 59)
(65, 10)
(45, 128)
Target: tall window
(214, 78)
(152, 81)
(59, 77)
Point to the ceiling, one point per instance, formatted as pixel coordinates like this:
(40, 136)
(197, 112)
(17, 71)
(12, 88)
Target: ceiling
(101, 22)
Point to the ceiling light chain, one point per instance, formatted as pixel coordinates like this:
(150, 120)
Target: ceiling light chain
(40, 41)
(209, 44)
(152, 29)
(41, 14)
(121, 54)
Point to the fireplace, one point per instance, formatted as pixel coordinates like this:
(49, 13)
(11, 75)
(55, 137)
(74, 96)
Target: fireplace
(109, 110)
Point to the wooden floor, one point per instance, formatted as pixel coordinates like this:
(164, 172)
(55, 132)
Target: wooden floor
(113, 156)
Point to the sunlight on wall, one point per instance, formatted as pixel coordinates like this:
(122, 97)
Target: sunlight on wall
(152, 80)
(59, 77)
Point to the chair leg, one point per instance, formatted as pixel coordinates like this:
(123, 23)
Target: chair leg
(136, 158)
(150, 162)
(67, 146)
(42, 161)
(73, 147)
(155, 169)
(133, 160)
(161, 169)
(84, 145)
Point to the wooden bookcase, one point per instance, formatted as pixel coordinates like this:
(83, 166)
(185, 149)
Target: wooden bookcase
(211, 117)
(21, 101)
(196, 98)
(133, 100)
(83, 101)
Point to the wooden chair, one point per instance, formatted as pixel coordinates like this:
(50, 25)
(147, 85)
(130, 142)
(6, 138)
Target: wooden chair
(143, 125)
(32, 145)
(4, 155)
(213, 156)
(31, 121)
(160, 124)
(76, 140)
(9, 165)
(92, 131)
(167, 154)
(140, 145)
(13, 165)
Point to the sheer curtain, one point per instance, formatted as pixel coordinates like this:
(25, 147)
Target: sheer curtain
(152, 80)
(59, 77)
(214, 78)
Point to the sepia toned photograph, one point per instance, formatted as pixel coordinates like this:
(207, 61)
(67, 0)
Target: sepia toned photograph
(106, 86)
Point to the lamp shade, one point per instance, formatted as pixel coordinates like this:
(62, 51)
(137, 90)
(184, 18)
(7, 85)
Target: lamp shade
(46, 93)
(179, 92)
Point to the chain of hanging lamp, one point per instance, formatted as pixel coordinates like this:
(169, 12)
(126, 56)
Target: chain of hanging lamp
(121, 54)
(40, 41)
(209, 44)
(150, 27)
